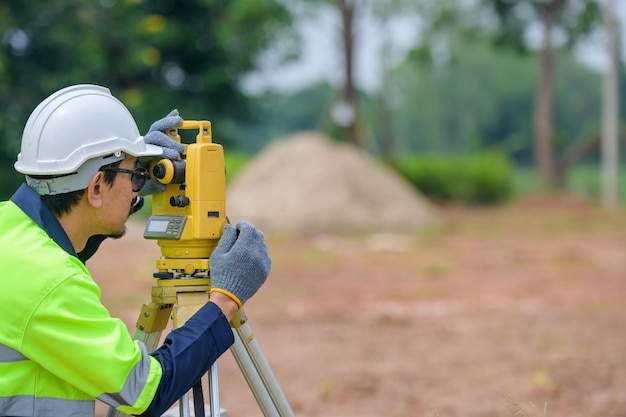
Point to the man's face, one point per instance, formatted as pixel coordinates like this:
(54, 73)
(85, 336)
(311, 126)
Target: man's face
(119, 200)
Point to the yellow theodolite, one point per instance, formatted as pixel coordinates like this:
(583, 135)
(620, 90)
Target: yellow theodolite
(187, 221)
(189, 216)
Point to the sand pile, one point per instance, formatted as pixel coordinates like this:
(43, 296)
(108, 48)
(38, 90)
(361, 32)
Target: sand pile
(308, 184)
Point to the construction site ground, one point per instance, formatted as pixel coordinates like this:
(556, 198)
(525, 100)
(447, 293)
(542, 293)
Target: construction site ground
(518, 310)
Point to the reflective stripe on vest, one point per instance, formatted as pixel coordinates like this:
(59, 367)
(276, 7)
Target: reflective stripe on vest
(28, 405)
(127, 396)
(10, 355)
(134, 383)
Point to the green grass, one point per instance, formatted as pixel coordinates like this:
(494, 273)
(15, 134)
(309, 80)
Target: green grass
(525, 182)
(584, 181)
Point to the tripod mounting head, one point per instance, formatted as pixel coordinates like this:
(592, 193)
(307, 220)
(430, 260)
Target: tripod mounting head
(188, 218)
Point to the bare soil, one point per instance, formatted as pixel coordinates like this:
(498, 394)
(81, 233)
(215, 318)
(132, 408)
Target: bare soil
(515, 310)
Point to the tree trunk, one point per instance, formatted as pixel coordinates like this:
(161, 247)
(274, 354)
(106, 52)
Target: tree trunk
(542, 117)
(349, 95)
(610, 148)
(385, 113)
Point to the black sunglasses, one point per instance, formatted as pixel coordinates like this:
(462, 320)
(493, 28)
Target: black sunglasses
(138, 176)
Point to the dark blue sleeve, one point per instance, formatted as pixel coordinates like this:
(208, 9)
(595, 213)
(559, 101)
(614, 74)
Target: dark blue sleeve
(187, 353)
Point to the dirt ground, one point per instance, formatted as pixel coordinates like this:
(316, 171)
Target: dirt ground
(518, 310)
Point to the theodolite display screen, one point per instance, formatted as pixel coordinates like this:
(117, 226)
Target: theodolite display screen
(165, 227)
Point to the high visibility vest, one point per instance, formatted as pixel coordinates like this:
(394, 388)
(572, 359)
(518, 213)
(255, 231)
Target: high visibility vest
(59, 347)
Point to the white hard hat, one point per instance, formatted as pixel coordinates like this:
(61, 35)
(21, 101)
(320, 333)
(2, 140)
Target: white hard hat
(74, 132)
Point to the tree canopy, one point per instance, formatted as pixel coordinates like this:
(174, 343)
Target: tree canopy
(153, 55)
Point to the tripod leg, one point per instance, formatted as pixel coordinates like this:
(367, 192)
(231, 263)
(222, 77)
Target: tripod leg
(257, 371)
(214, 392)
(183, 405)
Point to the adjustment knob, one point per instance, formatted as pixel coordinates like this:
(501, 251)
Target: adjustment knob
(179, 201)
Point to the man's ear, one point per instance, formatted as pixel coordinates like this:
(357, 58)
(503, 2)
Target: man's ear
(94, 190)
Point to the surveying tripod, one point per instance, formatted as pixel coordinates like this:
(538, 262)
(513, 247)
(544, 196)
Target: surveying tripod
(180, 299)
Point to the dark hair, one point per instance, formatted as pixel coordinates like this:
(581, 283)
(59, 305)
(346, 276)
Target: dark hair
(60, 204)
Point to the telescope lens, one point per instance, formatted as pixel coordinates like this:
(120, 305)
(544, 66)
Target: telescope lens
(158, 171)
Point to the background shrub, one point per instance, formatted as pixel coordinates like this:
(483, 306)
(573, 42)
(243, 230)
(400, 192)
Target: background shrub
(484, 178)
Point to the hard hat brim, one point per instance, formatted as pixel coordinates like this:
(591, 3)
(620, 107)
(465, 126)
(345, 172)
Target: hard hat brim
(151, 150)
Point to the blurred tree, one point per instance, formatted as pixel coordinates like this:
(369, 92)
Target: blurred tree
(561, 25)
(384, 13)
(153, 55)
(347, 109)
(280, 115)
(474, 96)
(463, 104)
(610, 110)
(347, 112)
(571, 19)
(344, 111)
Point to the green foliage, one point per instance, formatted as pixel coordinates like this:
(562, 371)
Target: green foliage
(278, 115)
(471, 102)
(454, 93)
(153, 55)
(484, 178)
(448, 106)
(9, 180)
(584, 180)
(574, 18)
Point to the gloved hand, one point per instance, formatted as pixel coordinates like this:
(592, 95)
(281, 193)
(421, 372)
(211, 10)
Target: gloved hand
(240, 263)
(171, 149)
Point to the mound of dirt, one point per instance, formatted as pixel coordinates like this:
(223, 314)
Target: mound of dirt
(308, 184)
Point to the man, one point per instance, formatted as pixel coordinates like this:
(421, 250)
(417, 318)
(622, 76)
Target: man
(59, 347)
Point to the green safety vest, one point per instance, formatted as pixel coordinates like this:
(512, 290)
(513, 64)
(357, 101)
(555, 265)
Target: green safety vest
(60, 349)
